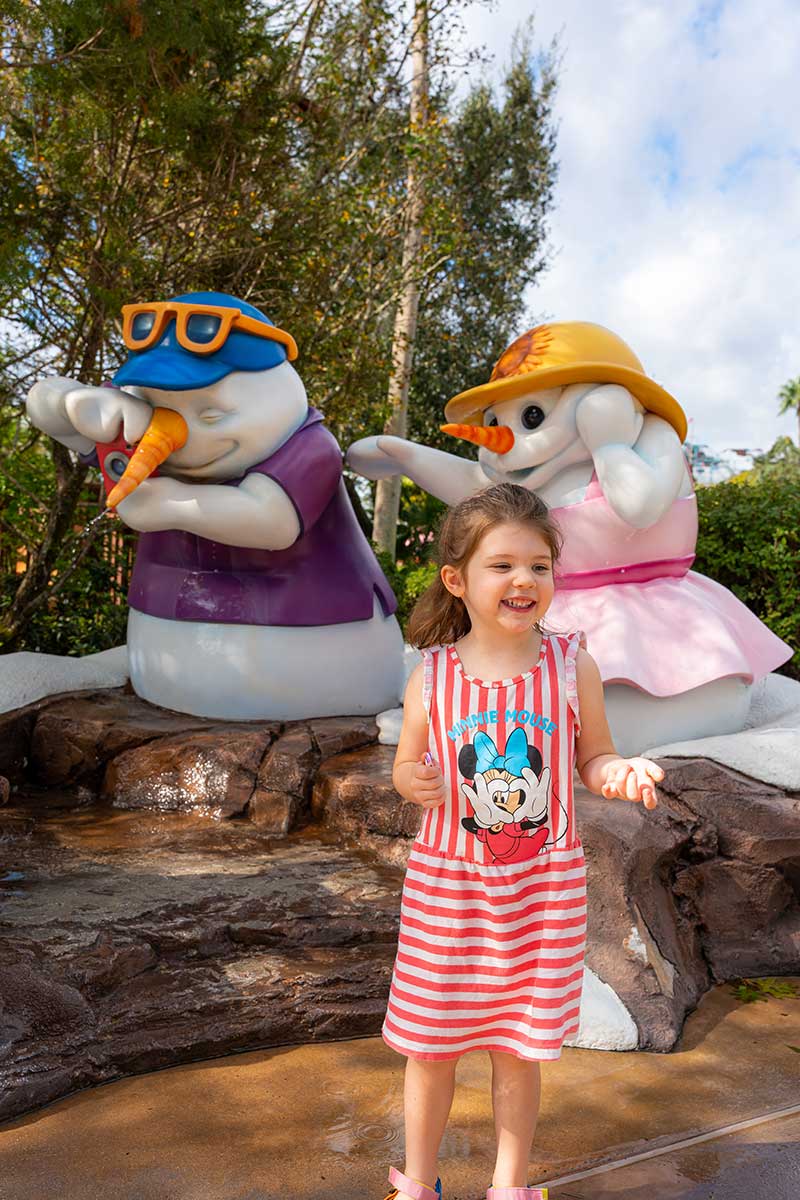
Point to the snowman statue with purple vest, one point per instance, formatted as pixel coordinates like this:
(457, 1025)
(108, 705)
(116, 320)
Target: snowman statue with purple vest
(254, 593)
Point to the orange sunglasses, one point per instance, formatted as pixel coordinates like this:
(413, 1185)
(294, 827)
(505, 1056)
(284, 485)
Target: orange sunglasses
(201, 328)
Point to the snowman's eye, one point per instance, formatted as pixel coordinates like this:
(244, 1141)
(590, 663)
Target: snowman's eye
(211, 415)
(492, 421)
(533, 416)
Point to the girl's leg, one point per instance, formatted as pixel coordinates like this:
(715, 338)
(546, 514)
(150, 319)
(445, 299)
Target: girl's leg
(516, 1089)
(429, 1088)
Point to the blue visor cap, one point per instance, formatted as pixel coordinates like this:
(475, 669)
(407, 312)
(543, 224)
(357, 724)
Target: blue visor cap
(171, 368)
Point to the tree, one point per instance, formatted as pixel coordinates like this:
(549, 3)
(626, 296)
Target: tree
(499, 188)
(789, 396)
(490, 171)
(387, 491)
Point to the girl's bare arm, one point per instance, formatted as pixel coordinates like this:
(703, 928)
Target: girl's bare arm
(416, 782)
(600, 767)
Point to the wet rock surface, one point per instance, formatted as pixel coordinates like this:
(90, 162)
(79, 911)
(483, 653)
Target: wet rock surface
(112, 744)
(131, 941)
(172, 889)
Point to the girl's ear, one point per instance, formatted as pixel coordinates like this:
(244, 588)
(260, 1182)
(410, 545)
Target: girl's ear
(451, 578)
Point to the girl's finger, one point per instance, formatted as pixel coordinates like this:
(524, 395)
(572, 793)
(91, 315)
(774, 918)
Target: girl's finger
(613, 783)
(433, 802)
(632, 785)
(649, 796)
(655, 771)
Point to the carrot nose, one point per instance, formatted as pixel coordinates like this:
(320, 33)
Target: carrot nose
(166, 432)
(497, 438)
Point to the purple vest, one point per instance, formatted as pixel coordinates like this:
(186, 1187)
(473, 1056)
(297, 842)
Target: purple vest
(329, 576)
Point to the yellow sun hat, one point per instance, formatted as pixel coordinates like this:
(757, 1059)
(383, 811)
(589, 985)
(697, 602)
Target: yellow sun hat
(561, 353)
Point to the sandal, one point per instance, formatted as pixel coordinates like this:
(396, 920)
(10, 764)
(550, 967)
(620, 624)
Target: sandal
(516, 1193)
(412, 1187)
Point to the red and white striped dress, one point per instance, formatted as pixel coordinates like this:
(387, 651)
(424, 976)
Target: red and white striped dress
(493, 916)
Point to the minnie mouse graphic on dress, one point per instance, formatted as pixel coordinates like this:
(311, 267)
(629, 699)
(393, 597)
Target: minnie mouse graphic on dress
(509, 796)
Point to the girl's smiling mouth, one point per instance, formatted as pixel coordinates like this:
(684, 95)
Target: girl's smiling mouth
(519, 603)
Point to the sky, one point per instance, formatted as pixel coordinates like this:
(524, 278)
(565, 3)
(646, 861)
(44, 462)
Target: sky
(677, 209)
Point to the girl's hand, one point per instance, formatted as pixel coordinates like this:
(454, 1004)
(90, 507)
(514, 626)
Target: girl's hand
(633, 779)
(427, 785)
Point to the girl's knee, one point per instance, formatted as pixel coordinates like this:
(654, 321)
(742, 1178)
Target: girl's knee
(441, 1066)
(504, 1060)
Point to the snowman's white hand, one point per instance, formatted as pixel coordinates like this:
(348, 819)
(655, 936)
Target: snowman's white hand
(102, 413)
(79, 416)
(46, 410)
(372, 457)
(151, 506)
(607, 416)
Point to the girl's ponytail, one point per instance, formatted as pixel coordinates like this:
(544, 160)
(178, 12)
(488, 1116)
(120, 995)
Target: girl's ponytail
(438, 617)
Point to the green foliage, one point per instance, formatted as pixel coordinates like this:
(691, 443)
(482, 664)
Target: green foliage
(414, 568)
(420, 514)
(749, 541)
(750, 990)
(195, 146)
(84, 608)
(789, 396)
(408, 581)
(90, 617)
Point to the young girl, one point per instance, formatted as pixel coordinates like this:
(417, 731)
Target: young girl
(493, 917)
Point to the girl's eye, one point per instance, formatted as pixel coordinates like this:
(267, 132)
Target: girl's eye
(542, 567)
(532, 416)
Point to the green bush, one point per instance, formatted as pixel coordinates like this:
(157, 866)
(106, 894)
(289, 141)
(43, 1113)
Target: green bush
(408, 581)
(749, 541)
(87, 611)
(89, 615)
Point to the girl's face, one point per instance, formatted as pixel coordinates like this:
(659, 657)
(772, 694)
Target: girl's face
(508, 582)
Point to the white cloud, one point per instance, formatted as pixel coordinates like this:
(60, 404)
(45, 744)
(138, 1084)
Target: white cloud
(677, 218)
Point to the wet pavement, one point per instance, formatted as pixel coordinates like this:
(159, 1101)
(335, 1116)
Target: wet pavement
(760, 1163)
(319, 1121)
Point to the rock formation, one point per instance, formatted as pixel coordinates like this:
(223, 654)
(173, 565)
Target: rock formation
(175, 888)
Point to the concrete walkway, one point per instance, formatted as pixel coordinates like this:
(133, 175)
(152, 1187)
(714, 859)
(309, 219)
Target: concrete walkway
(320, 1121)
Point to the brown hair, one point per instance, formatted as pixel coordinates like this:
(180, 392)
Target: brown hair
(439, 617)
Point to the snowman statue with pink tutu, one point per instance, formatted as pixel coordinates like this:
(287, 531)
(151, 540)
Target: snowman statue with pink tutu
(570, 413)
